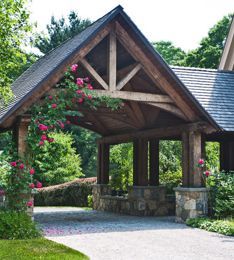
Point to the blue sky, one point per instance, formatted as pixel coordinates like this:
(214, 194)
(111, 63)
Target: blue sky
(184, 22)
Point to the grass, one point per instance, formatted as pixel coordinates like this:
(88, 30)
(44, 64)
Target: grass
(37, 249)
(221, 226)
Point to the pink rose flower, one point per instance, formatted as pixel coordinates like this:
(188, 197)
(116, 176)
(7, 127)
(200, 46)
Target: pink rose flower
(79, 81)
(41, 143)
(39, 185)
(43, 127)
(50, 97)
(90, 87)
(79, 91)
(29, 203)
(32, 171)
(13, 164)
(201, 162)
(74, 67)
(31, 186)
(43, 137)
(50, 140)
(80, 100)
(54, 105)
(207, 173)
(21, 166)
(86, 79)
(89, 96)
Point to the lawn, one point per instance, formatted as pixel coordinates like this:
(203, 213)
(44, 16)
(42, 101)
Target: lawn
(37, 249)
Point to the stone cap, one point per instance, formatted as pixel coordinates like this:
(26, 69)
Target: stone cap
(191, 189)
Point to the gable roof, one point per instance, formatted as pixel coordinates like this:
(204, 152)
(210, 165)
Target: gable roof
(31, 79)
(214, 90)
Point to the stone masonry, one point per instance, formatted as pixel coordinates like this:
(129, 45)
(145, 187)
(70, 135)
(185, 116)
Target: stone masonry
(140, 201)
(191, 203)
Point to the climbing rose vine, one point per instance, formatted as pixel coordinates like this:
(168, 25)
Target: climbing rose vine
(58, 109)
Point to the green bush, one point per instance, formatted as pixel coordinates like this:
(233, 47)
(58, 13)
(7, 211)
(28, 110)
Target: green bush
(224, 227)
(170, 180)
(58, 162)
(17, 225)
(222, 194)
(74, 193)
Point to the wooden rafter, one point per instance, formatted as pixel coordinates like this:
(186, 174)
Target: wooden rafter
(128, 77)
(94, 74)
(152, 71)
(169, 108)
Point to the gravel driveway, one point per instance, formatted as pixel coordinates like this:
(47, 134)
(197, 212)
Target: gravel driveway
(107, 236)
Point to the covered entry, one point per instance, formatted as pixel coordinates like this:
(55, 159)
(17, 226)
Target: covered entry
(155, 105)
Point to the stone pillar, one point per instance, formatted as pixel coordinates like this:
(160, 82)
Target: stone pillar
(20, 134)
(103, 163)
(192, 198)
(227, 156)
(98, 191)
(191, 203)
(154, 162)
(140, 162)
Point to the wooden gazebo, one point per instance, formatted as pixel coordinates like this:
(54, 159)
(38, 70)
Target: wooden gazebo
(159, 102)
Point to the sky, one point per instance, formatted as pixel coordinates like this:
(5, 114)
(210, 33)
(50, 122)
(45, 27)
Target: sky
(184, 22)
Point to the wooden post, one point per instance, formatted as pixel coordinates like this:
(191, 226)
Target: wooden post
(20, 133)
(154, 162)
(192, 152)
(103, 164)
(140, 162)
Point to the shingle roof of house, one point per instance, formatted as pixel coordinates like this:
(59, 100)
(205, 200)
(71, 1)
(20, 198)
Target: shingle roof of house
(211, 89)
(214, 90)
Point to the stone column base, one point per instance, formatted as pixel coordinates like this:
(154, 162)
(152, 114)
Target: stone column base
(191, 203)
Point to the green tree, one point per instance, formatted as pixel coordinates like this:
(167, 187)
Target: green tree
(58, 162)
(171, 54)
(59, 31)
(14, 20)
(208, 54)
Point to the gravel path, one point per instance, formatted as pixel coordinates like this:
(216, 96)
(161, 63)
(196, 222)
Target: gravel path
(107, 236)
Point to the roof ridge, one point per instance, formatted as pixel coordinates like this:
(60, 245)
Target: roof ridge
(201, 69)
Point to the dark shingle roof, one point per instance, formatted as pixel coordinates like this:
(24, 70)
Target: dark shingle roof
(40, 70)
(214, 90)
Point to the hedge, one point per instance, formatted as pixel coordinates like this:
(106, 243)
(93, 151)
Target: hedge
(73, 193)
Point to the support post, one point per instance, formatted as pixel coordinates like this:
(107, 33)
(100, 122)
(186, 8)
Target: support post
(192, 152)
(103, 163)
(154, 162)
(20, 134)
(140, 162)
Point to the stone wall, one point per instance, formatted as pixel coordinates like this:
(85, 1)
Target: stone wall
(191, 203)
(140, 201)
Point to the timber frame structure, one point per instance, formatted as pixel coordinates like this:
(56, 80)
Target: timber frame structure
(159, 102)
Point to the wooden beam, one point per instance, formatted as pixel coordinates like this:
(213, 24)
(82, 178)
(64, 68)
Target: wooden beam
(155, 133)
(128, 77)
(112, 61)
(135, 96)
(150, 68)
(169, 108)
(93, 73)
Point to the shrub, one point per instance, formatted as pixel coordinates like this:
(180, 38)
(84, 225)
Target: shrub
(170, 180)
(74, 193)
(58, 162)
(222, 194)
(224, 227)
(17, 225)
